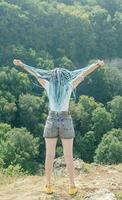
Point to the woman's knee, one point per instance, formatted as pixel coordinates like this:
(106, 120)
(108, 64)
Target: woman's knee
(68, 155)
(50, 155)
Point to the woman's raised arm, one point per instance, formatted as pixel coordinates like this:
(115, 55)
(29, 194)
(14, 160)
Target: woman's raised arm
(86, 72)
(30, 70)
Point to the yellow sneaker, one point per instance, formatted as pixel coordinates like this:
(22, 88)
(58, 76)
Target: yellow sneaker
(48, 189)
(73, 190)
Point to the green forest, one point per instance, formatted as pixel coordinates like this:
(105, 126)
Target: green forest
(70, 34)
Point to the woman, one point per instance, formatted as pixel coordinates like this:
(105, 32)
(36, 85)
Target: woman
(59, 83)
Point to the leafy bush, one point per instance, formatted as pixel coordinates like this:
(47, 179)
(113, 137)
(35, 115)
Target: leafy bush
(1, 163)
(18, 146)
(109, 150)
(102, 122)
(115, 107)
(86, 146)
(30, 107)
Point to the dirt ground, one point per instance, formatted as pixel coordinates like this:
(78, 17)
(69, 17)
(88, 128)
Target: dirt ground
(94, 178)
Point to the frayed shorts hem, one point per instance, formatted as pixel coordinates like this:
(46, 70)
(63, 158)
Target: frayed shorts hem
(58, 135)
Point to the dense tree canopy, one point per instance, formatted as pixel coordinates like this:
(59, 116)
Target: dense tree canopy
(79, 30)
(60, 33)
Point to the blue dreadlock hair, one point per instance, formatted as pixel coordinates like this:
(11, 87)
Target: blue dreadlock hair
(59, 80)
(59, 84)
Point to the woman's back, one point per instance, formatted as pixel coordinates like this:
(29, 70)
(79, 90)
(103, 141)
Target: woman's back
(64, 105)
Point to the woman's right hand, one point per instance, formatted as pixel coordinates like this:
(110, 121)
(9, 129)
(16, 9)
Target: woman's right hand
(101, 63)
(17, 62)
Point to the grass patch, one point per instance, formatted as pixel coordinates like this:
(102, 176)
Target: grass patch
(118, 196)
(86, 167)
(11, 173)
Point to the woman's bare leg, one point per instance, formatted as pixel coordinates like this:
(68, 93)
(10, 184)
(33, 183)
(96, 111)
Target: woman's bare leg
(68, 155)
(50, 154)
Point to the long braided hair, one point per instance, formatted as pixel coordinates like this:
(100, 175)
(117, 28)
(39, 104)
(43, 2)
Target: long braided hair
(59, 84)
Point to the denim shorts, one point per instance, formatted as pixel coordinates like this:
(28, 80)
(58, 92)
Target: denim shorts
(59, 124)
